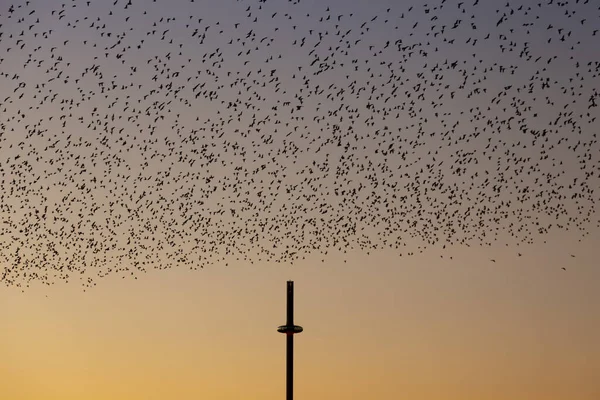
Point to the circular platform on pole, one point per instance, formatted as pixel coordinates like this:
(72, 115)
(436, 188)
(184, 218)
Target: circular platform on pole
(290, 330)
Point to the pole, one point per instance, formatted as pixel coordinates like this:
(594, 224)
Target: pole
(290, 343)
(290, 329)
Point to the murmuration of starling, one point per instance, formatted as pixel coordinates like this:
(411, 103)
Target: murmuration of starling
(137, 135)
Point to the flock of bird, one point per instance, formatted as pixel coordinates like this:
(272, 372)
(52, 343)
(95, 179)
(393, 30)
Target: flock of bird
(138, 134)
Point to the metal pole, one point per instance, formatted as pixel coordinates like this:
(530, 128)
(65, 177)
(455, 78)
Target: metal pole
(290, 343)
(290, 329)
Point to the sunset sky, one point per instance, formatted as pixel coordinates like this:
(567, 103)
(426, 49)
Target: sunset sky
(132, 271)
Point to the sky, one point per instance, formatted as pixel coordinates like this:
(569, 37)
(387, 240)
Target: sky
(426, 174)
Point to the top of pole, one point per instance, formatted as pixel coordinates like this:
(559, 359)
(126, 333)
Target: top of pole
(290, 303)
(289, 328)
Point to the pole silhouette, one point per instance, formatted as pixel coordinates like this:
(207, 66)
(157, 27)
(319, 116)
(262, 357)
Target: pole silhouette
(290, 329)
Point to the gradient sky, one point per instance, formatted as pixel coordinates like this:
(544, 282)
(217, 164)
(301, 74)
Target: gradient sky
(445, 323)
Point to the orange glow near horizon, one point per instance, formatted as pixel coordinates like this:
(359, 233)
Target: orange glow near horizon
(424, 330)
